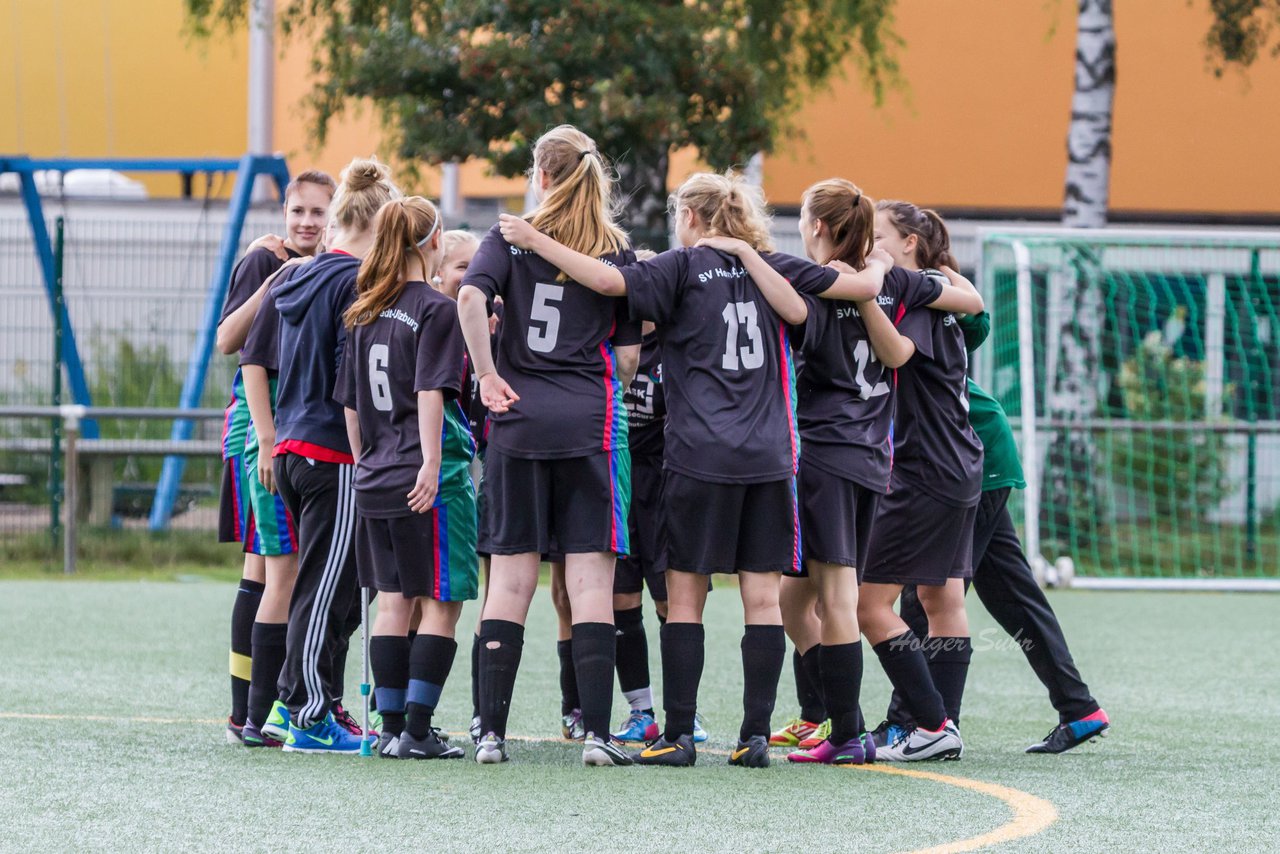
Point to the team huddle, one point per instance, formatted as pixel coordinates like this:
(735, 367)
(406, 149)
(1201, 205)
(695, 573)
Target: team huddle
(638, 421)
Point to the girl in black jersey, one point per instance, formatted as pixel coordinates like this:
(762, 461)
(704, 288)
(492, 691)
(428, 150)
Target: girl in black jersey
(556, 462)
(923, 531)
(400, 383)
(845, 410)
(731, 444)
(299, 331)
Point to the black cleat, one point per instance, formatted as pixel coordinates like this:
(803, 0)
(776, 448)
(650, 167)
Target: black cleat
(752, 753)
(1063, 737)
(431, 747)
(388, 746)
(676, 754)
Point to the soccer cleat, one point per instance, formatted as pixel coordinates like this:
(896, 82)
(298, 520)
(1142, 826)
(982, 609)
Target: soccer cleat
(430, 747)
(388, 746)
(349, 723)
(886, 734)
(796, 731)
(676, 754)
(1063, 737)
(235, 732)
(852, 752)
(474, 729)
(490, 750)
(641, 727)
(277, 725)
(752, 753)
(327, 736)
(699, 731)
(254, 737)
(602, 752)
(571, 726)
(869, 748)
(918, 744)
(819, 735)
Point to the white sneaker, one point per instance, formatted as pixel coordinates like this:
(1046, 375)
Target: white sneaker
(602, 752)
(491, 750)
(919, 744)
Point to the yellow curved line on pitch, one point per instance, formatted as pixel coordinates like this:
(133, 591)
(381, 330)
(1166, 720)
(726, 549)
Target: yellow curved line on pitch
(1031, 815)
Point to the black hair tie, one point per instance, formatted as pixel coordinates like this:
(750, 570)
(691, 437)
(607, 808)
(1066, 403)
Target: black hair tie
(857, 199)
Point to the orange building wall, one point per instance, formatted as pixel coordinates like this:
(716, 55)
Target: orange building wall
(118, 78)
(982, 122)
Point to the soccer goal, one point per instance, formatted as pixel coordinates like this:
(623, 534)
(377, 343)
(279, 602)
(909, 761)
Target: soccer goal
(1141, 370)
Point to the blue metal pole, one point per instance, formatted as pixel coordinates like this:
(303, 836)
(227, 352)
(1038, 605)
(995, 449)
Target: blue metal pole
(198, 367)
(57, 310)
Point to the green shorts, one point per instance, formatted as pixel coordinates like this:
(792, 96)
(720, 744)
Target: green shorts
(430, 554)
(270, 530)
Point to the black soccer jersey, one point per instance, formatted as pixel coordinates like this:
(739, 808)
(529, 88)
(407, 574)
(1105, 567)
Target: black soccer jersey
(846, 397)
(934, 447)
(416, 345)
(556, 349)
(727, 370)
(249, 274)
(646, 403)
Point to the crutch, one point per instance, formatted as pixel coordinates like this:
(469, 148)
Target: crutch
(366, 740)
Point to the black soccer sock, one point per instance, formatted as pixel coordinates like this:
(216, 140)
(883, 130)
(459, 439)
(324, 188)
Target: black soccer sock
(683, 652)
(268, 660)
(389, 661)
(813, 706)
(633, 651)
(764, 648)
(593, 661)
(842, 684)
(904, 664)
(569, 699)
(243, 612)
(475, 675)
(948, 659)
(430, 660)
(501, 644)
(662, 619)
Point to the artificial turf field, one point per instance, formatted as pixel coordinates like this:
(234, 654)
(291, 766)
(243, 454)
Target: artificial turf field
(112, 695)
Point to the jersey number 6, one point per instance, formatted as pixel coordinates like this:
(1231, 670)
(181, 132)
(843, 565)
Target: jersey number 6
(379, 383)
(544, 340)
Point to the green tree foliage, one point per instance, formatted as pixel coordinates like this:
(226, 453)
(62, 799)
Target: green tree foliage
(1240, 32)
(454, 79)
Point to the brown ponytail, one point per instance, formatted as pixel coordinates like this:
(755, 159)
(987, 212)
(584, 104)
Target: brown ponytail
(402, 227)
(727, 206)
(849, 216)
(933, 241)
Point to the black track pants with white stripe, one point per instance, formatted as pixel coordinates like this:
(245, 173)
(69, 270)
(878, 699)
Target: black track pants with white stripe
(321, 498)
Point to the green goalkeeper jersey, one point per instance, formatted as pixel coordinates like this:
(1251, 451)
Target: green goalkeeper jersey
(1001, 467)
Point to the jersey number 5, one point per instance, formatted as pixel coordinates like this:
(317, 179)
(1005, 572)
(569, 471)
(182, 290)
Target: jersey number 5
(379, 383)
(544, 340)
(751, 356)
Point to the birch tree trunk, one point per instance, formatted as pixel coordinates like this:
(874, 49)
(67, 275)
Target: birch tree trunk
(1075, 498)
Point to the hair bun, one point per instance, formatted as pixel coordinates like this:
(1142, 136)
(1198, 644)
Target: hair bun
(362, 174)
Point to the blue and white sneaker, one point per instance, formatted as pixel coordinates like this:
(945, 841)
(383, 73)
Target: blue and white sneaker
(277, 725)
(328, 736)
(641, 727)
(699, 731)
